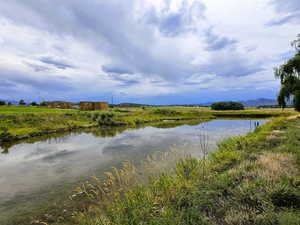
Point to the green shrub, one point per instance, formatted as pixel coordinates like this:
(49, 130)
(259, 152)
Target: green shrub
(227, 106)
(33, 104)
(167, 112)
(290, 218)
(286, 196)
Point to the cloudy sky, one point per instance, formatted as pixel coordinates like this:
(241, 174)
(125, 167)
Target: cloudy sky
(145, 51)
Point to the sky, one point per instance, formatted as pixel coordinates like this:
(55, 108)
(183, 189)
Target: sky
(144, 51)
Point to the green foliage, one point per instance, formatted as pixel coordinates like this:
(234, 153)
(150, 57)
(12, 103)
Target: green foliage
(33, 104)
(296, 43)
(22, 102)
(106, 119)
(35, 124)
(297, 100)
(43, 104)
(167, 112)
(227, 106)
(289, 75)
(289, 218)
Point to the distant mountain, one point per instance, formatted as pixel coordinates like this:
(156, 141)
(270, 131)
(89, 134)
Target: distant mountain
(259, 102)
(128, 105)
(251, 103)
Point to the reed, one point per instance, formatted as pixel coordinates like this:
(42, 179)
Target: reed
(248, 181)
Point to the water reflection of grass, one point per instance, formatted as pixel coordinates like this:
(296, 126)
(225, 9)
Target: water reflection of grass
(103, 132)
(26, 122)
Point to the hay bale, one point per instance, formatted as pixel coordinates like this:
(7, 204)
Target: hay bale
(86, 106)
(94, 106)
(101, 106)
(59, 104)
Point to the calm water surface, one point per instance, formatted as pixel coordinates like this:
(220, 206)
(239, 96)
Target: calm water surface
(26, 168)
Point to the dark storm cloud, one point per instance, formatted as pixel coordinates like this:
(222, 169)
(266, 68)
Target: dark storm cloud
(116, 69)
(44, 82)
(286, 5)
(129, 45)
(287, 19)
(6, 84)
(38, 68)
(176, 23)
(232, 66)
(125, 81)
(56, 63)
(216, 42)
(121, 74)
(172, 25)
(291, 8)
(109, 27)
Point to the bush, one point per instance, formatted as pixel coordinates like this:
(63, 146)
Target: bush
(43, 104)
(22, 102)
(167, 112)
(227, 106)
(33, 104)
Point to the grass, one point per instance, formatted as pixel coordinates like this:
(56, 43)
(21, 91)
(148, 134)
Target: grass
(31, 109)
(247, 181)
(17, 122)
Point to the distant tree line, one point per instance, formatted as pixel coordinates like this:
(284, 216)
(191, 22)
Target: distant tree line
(22, 103)
(227, 106)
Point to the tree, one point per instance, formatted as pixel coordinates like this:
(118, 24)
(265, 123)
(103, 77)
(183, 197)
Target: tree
(33, 104)
(289, 75)
(227, 106)
(43, 104)
(22, 102)
(2, 102)
(297, 100)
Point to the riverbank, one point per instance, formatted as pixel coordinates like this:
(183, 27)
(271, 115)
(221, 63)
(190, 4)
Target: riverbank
(250, 180)
(20, 123)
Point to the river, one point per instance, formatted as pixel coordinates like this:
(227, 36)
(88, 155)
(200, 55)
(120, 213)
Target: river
(29, 167)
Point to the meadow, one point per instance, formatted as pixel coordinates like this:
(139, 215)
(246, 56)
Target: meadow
(23, 122)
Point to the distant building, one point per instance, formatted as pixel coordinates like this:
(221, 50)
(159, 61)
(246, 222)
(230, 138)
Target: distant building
(94, 106)
(59, 105)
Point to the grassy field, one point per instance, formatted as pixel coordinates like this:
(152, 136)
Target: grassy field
(18, 122)
(250, 180)
(31, 109)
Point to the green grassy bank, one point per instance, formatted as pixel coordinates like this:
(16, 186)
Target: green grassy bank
(17, 123)
(250, 180)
